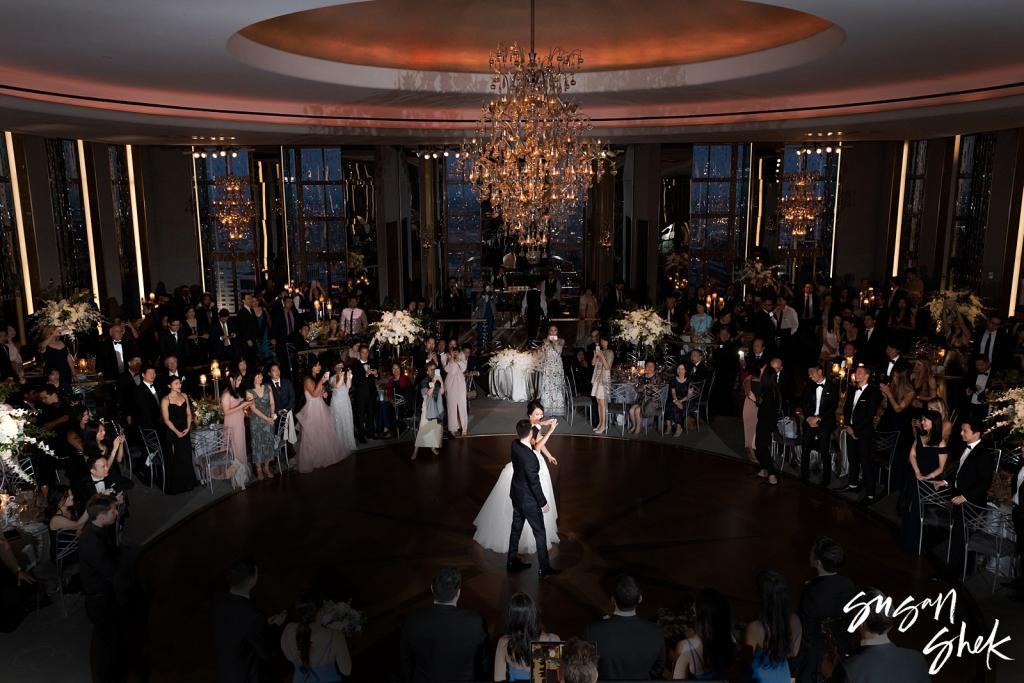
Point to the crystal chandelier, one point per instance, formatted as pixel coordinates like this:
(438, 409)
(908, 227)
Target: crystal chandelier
(529, 158)
(234, 209)
(801, 206)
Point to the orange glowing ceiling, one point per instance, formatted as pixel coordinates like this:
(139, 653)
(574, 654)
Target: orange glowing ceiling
(457, 35)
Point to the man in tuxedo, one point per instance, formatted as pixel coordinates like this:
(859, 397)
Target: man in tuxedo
(243, 636)
(994, 344)
(423, 354)
(758, 356)
(443, 642)
(127, 384)
(789, 323)
(821, 609)
(871, 344)
(810, 312)
(967, 482)
(862, 401)
(976, 384)
(101, 480)
(629, 648)
(284, 392)
(784, 380)
(878, 658)
(147, 401)
(248, 327)
(364, 391)
(172, 342)
(102, 574)
(893, 359)
(699, 371)
(284, 322)
(535, 309)
(353, 319)
(113, 353)
(163, 380)
(765, 323)
(224, 339)
(620, 295)
(819, 404)
(528, 503)
(206, 314)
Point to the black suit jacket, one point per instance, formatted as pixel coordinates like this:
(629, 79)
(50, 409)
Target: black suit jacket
(884, 662)
(798, 303)
(1002, 356)
(629, 649)
(241, 638)
(364, 386)
(828, 406)
(100, 568)
(445, 643)
(106, 357)
(146, 409)
(170, 347)
(85, 488)
(284, 395)
(873, 349)
(862, 418)
(218, 349)
(526, 492)
(821, 608)
(279, 324)
(763, 327)
(974, 479)
(248, 326)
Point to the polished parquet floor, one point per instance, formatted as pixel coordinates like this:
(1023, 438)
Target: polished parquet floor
(377, 526)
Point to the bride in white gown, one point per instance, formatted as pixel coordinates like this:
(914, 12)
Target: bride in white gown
(494, 522)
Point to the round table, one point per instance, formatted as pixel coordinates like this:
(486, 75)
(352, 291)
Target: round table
(513, 375)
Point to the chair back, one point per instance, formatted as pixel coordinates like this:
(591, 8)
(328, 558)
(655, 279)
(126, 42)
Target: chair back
(885, 442)
(152, 442)
(663, 397)
(66, 544)
(280, 432)
(986, 520)
(621, 393)
(697, 390)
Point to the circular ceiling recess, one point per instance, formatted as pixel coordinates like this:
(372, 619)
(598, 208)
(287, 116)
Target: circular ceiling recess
(346, 43)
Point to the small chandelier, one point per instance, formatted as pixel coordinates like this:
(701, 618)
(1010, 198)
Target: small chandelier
(529, 159)
(801, 207)
(234, 210)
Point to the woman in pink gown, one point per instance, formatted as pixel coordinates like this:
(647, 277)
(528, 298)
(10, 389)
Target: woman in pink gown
(233, 402)
(318, 442)
(455, 396)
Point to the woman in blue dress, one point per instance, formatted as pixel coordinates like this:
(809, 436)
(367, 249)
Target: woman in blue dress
(485, 312)
(775, 636)
(678, 395)
(318, 654)
(513, 658)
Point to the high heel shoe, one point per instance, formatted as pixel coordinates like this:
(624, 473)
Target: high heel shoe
(601, 431)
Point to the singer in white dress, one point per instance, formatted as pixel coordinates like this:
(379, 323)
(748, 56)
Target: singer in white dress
(494, 522)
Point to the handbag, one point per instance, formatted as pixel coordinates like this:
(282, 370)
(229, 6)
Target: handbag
(787, 427)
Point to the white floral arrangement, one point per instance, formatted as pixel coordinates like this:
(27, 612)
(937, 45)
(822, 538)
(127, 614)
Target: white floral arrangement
(948, 302)
(207, 412)
(71, 316)
(14, 437)
(755, 274)
(507, 359)
(1007, 411)
(396, 328)
(318, 329)
(642, 327)
(341, 616)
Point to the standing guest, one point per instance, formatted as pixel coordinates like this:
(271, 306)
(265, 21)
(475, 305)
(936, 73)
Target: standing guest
(146, 411)
(750, 382)
(879, 659)
(552, 289)
(443, 642)
(224, 337)
(195, 337)
(234, 404)
(819, 405)
(430, 431)
(242, 371)
(341, 406)
(552, 373)
(994, 344)
(172, 342)
(513, 656)
(170, 372)
(769, 410)
(177, 418)
(976, 388)
(283, 325)
(899, 396)
(674, 314)
(764, 322)
(284, 392)
(248, 327)
(725, 360)
(708, 654)
(830, 339)
(455, 397)
(893, 359)
(679, 394)
(485, 312)
(928, 458)
(113, 354)
(55, 355)
(601, 382)
(422, 355)
(243, 637)
(775, 636)
(318, 654)
(262, 422)
(262, 329)
(534, 309)
(631, 648)
(364, 388)
(859, 410)
(398, 385)
(318, 445)
(587, 315)
(353, 319)
(823, 618)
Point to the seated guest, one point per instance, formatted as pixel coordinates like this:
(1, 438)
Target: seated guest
(579, 662)
(648, 389)
(631, 648)
(673, 313)
(581, 373)
(242, 636)
(700, 322)
(879, 659)
(316, 652)
(513, 657)
(709, 652)
(698, 368)
(443, 642)
(102, 480)
(775, 636)
(679, 394)
(821, 610)
(60, 515)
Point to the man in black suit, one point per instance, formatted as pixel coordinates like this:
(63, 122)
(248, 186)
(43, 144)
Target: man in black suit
(673, 313)
(443, 642)
(872, 344)
(101, 480)
(784, 380)
(968, 481)
(172, 342)
(364, 392)
(534, 309)
(127, 384)
(994, 344)
(243, 636)
(699, 371)
(248, 327)
(862, 401)
(283, 391)
(528, 503)
(893, 359)
(163, 380)
(821, 610)
(283, 324)
(630, 648)
(113, 353)
(764, 323)
(147, 401)
(819, 404)
(423, 354)
(224, 340)
(976, 381)
(878, 658)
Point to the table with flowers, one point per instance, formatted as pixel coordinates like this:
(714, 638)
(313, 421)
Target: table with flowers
(513, 376)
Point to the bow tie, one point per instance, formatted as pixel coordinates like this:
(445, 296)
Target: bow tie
(116, 343)
(821, 386)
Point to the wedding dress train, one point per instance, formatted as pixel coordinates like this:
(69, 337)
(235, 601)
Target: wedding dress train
(494, 522)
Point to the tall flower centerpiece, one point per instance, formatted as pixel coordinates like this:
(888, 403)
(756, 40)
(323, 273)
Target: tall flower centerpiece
(1007, 412)
(16, 433)
(643, 328)
(396, 328)
(207, 412)
(755, 274)
(72, 316)
(948, 303)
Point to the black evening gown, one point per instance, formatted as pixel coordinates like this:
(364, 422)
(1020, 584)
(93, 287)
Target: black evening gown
(181, 475)
(927, 461)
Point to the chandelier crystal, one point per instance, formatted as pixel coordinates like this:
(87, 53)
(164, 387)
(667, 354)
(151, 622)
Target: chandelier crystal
(530, 159)
(801, 206)
(234, 210)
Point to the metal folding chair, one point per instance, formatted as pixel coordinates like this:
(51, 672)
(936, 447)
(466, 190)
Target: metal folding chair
(658, 419)
(692, 406)
(281, 445)
(154, 455)
(987, 532)
(621, 395)
(884, 444)
(933, 509)
(213, 449)
(65, 553)
(704, 401)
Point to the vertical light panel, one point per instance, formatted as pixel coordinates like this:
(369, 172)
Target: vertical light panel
(750, 194)
(19, 223)
(1015, 280)
(263, 212)
(83, 175)
(136, 233)
(284, 220)
(835, 213)
(760, 201)
(899, 209)
(199, 222)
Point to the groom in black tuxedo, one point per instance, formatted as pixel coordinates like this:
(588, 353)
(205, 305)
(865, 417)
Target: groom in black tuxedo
(528, 503)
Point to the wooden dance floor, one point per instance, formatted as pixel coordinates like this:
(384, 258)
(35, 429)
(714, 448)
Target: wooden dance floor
(377, 526)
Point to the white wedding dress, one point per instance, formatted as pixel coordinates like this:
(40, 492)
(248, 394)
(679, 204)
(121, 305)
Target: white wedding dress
(494, 522)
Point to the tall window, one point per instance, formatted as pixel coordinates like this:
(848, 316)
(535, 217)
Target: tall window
(124, 230)
(718, 211)
(913, 201)
(812, 253)
(68, 216)
(10, 271)
(230, 264)
(331, 214)
(463, 219)
(970, 215)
